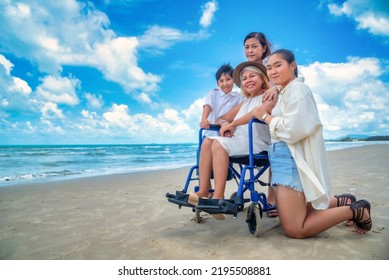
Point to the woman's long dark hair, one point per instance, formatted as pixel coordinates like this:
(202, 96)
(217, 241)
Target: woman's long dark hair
(262, 40)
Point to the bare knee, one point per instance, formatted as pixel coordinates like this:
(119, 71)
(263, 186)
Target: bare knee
(294, 232)
(207, 143)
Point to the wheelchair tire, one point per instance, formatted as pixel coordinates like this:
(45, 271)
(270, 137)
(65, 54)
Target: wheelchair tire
(254, 218)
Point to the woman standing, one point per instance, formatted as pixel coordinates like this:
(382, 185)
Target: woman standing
(258, 48)
(297, 155)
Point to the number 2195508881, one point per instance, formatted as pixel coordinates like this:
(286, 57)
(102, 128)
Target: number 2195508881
(240, 270)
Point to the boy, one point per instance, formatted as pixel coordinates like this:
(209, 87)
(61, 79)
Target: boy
(219, 101)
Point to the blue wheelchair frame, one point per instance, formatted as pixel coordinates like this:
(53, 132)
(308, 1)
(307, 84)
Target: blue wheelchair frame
(251, 167)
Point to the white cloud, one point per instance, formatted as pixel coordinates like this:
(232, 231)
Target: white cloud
(20, 86)
(171, 115)
(50, 110)
(60, 90)
(340, 77)
(351, 96)
(55, 31)
(161, 37)
(13, 90)
(4, 103)
(118, 61)
(144, 98)
(79, 35)
(94, 101)
(48, 128)
(75, 33)
(194, 111)
(8, 65)
(118, 116)
(157, 38)
(370, 15)
(378, 25)
(209, 10)
(20, 10)
(145, 127)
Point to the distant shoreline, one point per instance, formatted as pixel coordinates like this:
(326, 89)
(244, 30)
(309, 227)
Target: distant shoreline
(356, 139)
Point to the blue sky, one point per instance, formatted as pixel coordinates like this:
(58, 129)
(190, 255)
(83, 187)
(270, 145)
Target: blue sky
(131, 71)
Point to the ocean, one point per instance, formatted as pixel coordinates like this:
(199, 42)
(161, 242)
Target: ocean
(32, 163)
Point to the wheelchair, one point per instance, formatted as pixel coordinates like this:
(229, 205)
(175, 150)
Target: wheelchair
(246, 171)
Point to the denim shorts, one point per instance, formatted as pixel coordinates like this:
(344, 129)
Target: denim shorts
(283, 167)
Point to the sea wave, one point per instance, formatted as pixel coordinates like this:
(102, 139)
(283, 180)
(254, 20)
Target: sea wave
(20, 164)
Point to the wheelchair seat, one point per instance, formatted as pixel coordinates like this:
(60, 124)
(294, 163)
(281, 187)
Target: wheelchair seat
(260, 159)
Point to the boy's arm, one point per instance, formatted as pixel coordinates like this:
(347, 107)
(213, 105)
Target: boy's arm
(204, 123)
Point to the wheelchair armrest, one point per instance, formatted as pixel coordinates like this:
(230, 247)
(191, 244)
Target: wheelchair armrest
(255, 120)
(213, 127)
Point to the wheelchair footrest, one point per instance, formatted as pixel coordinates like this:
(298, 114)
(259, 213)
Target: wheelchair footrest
(180, 198)
(218, 206)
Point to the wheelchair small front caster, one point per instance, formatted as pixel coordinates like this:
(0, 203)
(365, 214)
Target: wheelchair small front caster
(254, 218)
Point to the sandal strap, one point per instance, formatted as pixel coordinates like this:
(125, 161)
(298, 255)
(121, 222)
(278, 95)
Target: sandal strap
(358, 209)
(342, 199)
(366, 225)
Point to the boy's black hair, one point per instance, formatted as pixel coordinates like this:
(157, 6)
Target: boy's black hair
(224, 69)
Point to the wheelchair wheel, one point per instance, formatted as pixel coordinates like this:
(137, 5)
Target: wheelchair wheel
(254, 218)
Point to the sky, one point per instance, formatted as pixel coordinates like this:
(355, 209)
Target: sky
(138, 71)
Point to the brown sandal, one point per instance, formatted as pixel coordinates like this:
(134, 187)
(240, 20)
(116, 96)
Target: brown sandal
(358, 211)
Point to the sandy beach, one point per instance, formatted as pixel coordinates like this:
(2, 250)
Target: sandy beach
(127, 216)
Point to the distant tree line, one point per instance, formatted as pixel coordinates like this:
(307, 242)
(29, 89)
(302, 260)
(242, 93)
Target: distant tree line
(371, 138)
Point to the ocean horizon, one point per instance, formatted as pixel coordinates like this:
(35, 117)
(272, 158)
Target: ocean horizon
(36, 163)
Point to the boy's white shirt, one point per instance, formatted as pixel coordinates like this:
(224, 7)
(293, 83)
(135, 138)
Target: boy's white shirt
(221, 103)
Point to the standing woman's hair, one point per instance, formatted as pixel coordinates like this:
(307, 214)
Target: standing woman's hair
(262, 40)
(288, 56)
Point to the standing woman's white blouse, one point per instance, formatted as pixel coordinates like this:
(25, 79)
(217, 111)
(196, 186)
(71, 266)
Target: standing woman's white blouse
(296, 121)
